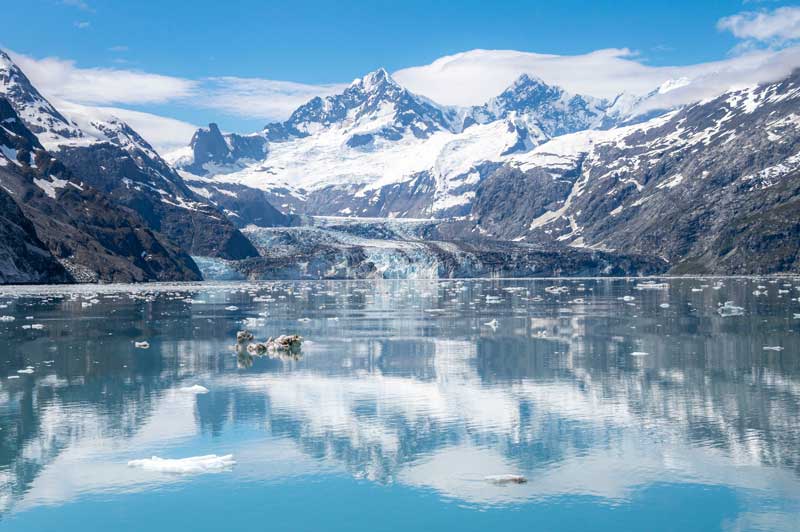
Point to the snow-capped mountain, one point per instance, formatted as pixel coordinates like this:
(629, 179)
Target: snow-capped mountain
(374, 106)
(545, 111)
(62, 229)
(212, 152)
(377, 149)
(50, 126)
(714, 187)
(540, 165)
(111, 157)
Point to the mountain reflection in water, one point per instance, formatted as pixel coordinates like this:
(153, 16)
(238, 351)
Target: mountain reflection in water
(403, 385)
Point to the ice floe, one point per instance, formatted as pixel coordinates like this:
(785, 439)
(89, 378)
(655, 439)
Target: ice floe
(193, 389)
(210, 463)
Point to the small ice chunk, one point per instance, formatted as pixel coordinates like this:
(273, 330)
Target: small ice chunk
(639, 354)
(556, 289)
(141, 345)
(28, 370)
(772, 348)
(664, 305)
(210, 463)
(7, 318)
(492, 324)
(627, 298)
(729, 309)
(231, 307)
(193, 389)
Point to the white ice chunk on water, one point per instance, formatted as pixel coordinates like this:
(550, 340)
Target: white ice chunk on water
(210, 463)
(651, 285)
(729, 309)
(664, 305)
(29, 370)
(556, 289)
(492, 324)
(7, 318)
(772, 348)
(231, 307)
(639, 354)
(193, 389)
(141, 345)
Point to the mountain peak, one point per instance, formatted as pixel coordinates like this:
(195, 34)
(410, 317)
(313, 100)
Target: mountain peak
(375, 79)
(38, 114)
(526, 79)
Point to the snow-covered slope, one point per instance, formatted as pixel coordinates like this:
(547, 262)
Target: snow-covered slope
(545, 111)
(108, 155)
(377, 149)
(714, 187)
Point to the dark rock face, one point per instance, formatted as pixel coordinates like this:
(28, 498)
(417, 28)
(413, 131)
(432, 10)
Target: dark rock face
(126, 169)
(714, 188)
(211, 147)
(242, 205)
(23, 257)
(160, 196)
(93, 237)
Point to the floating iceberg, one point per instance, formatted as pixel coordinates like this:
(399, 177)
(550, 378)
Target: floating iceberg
(141, 345)
(193, 389)
(729, 309)
(210, 463)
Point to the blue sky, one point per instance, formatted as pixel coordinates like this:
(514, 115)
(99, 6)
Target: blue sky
(322, 44)
(314, 41)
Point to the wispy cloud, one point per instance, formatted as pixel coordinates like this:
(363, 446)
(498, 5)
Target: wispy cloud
(61, 78)
(776, 28)
(468, 78)
(164, 134)
(82, 24)
(259, 98)
(482, 74)
(118, 48)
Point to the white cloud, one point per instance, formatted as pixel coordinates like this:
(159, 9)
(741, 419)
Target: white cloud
(164, 134)
(468, 78)
(774, 27)
(259, 98)
(82, 24)
(60, 78)
(481, 74)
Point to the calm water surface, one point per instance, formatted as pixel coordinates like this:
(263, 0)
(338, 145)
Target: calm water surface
(626, 407)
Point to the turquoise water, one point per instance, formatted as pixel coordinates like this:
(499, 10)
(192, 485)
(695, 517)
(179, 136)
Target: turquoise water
(626, 406)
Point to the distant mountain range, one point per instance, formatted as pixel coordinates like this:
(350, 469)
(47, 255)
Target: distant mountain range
(536, 181)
